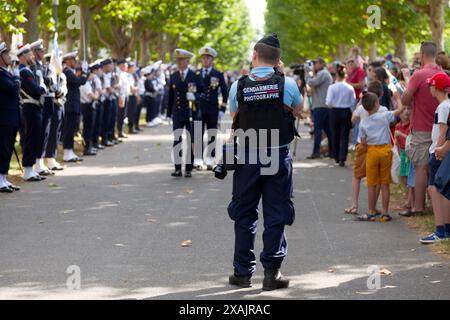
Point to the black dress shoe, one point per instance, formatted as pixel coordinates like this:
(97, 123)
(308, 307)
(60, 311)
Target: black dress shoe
(188, 174)
(89, 152)
(243, 282)
(273, 279)
(177, 173)
(313, 156)
(58, 168)
(76, 159)
(14, 187)
(100, 147)
(209, 167)
(132, 131)
(46, 173)
(35, 179)
(341, 164)
(108, 143)
(123, 135)
(6, 190)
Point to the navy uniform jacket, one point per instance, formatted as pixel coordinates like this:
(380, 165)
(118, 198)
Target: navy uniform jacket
(30, 85)
(9, 99)
(178, 103)
(73, 102)
(209, 99)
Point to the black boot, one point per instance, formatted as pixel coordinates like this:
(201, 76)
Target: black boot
(243, 282)
(273, 279)
(177, 173)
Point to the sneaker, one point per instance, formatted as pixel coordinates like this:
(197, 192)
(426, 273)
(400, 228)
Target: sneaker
(432, 238)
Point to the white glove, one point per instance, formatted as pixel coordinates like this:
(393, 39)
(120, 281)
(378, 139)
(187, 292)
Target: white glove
(221, 114)
(16, 72)
(85, 67)
(190, 96)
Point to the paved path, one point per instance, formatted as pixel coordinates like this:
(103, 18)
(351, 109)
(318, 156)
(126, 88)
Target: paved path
(121, 218)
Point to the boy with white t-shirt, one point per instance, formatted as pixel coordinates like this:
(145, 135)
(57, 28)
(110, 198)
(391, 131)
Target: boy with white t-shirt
(439, 87)
(375, 133)
(359, 170)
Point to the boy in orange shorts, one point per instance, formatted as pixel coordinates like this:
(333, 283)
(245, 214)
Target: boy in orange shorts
(375, 133)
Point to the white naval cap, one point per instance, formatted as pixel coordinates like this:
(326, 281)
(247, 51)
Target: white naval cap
(147, 70)
(208, 51)
(3, 47)
(70, 55)
(22, 49)
(37, 45)
(157, 64)
(181, 53)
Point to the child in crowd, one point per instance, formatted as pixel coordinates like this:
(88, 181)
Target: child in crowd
(402, 130)
(359, 171)
(376, 135)
(439, 87)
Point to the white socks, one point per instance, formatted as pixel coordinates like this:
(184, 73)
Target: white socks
(69, 154)
(3, 182)
(52, 163)
(40, 165)
(29, 173)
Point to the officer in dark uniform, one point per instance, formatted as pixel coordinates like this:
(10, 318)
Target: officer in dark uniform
(40, 70)
(185, 88)
(72, 108)
(9, 117)
(213, 82)
(263, 100)
(109, 104)
(32, 96)
(54, 136)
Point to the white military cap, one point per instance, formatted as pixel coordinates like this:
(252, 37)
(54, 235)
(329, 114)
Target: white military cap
(157, 64)
(147, 70)
(181, 53)
(3, 47)
(70, 55)
(37, 45)
(23, 49)
(208, 51)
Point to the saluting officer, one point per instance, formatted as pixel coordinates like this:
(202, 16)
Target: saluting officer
(212, 113)
(40, 70)
(9, 117)
(32, 96)
(89, 97)
(263, 100)
(72, 108)
(96, 68)
(109, 105)
(185, 88)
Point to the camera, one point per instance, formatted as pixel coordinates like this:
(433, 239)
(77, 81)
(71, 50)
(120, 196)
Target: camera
(220, 171)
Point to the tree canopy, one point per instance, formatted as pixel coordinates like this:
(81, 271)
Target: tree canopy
(143, 29)
(329, 28)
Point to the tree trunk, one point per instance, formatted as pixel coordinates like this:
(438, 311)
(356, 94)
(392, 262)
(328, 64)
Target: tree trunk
(144, 56)
(341, 53)
(6, 37)
(84, 34)
(31, 26)
(372, 52)
(69, 40)
(437, 22)
(400, 49)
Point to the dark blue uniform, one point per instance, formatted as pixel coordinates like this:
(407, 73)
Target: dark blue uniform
(31, 130)
(47, 110)
(178, 108)
(72, 108)
(213, 82)
(9, 116)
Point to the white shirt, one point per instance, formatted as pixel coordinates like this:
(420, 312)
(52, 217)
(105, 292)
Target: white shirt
(341, 95)
(361, 113)
(124, 84)
(204, 70)
(440, 116)
(183, 74)
(86, 92)
(375, 128)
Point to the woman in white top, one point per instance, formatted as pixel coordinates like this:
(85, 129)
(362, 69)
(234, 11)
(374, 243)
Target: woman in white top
(341, 98)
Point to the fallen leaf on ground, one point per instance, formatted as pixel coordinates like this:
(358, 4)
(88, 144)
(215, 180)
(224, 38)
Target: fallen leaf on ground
(119, 245)
(53, 185)
(186, 243)
(330, 270)
(189, 191)
(115, 183)
(385, 272)
(152, 220)
(437, 281)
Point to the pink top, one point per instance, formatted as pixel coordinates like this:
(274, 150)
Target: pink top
(424, 104)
